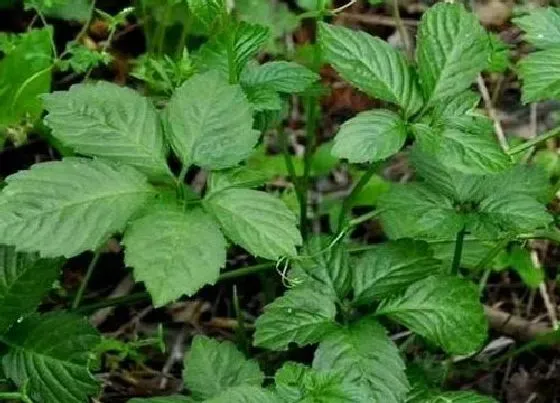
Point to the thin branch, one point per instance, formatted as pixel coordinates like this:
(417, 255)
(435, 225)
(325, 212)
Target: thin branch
(85, 280)
(535, 141)
(550, 308)
(403, 32)
(372, 19)
(492, 113)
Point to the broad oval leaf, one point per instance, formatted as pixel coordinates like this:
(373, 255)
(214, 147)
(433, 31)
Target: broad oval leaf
(210, 123)
(370, 136)
(452, 49)
(279, 76)
(50, 353)
(105, 120)
(390, 268)
(300, 316)
(372, 65)
(365, 355)
(24, 280)
(257, 221)
(444, 309)
(209, 14)
(174, 252)
(541, 26)
(539, 73)
(212, 367)
(66, 207)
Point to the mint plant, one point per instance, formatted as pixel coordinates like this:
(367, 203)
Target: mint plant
(124, 175)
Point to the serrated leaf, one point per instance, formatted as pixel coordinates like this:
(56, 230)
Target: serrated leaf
(370, 136)
(519, 179)
(209, 14)
(235, 45)
(458, 105)
(499, 54)
(445, 310)
(66, 207)
(75, 10)
(300, 316)
(539, 74)
(366, 356)
(25, 73)
(296, 383)
(416, 211)
(163, 399)
(213, 129)
(105, 120)
(520, 260)
(372, 65)
(452, 49)
(174, 252)
(281, 76)
(468, 146)
(541, 26)
(238, 177)
(390, 268)
(24, 280)
(244, 394)
(50, 353)
(212, 367)
(257, 221)
(263, 98)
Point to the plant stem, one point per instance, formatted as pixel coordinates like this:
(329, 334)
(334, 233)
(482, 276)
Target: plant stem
(535, 141)
(310, 132)
(85, 281)
(15, 396)
(162, 28)
(456, 264)
(245, 271)
(283, 138)
(347, 203)
(403, 33)
(126, 299)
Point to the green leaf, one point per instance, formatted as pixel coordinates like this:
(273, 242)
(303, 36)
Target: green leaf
(105, 120)
(234, 46)
(300, 316)
(175, 252)
(257, 221)
(244, 394)
(214, 128)
(296, 383)
(209, 14)
(452, 49)
(370, 136)
(371, 65)
(74, 10)
(541, 26)
(164, 399)
(445, 310)
(366, 356)
(539, 73)
(263, 98)
(390, 268)
(457, 105)
(281, 76)
(24, 280)
(238, 177)
(469, 146)
(452, 397)
(519, 179)
(25, 73)
(499, 54)
(66, 207)
(520, 260)
(416, 211)
(212, 367)
(51, 353)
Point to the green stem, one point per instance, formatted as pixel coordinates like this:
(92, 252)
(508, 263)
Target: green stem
(85, 281)
(124, 300)
(456, 264)
(310, 137)
(15, 396)
(245, 271)
(160, 38)
(363, 218)
(283, 139)
(535, 141)
(349, 200)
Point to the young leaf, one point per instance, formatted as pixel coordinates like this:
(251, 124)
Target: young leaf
(372, 65)
(499, 54)
(213, 129)
(230, 50)
(370, 136)
(443, 309)
(105, 120)
(24, 280)
(257, 221)
(468, 146)
(212, 367)
(297, 383)
(210, 14)
(174, 252)
(25, 73)
(281, 76)
(263, 98)
(390, 268)
(541, 26)
(50, 353)
(238, 177)
(520, 260)
(66, 207)
(416, 211)
(365, 355)
(538, 71)
(452, 49)
(244, 394)
(300, 316)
